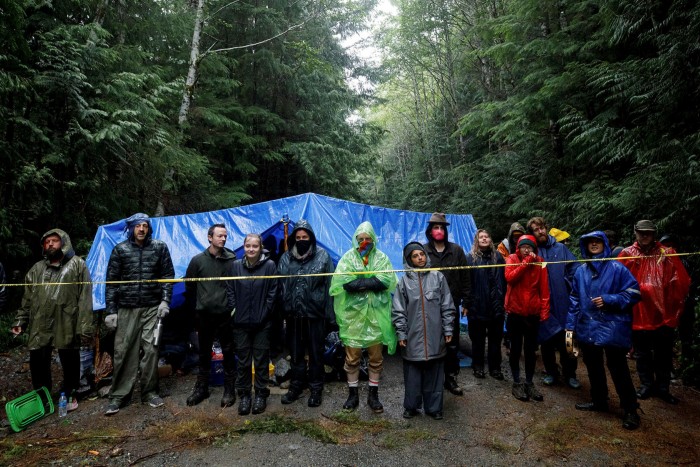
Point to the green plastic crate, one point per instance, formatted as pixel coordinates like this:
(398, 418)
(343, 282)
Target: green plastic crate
(29, 408)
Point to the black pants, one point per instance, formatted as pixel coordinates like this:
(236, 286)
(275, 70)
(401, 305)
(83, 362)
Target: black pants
(40, 368)
(306, 335)
(654, 352)
(557, 343)
(211, 326)
(478, 330)
(523, 332)
(619, 372)
(451, 359)
(423, 383)
(253, 346)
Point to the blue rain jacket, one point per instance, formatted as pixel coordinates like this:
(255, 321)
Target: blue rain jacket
(612, 324)
(560, 279)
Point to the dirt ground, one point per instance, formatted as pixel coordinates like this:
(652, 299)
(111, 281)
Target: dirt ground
(486, 426)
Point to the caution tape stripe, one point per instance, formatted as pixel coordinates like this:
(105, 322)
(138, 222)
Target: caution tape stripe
(542, 264)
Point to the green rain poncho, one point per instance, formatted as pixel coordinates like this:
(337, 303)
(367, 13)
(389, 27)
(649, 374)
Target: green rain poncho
(364, 318)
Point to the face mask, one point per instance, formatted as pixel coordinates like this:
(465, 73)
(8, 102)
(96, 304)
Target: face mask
(303, 246)
(438, 235)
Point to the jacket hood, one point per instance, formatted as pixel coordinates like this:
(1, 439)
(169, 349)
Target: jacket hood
(264, 256)
(513, 227)
(407, 252)
(607, 252)
(302, 224)
(527, 239)
(133, 221)
(66, 245)
(365, 227)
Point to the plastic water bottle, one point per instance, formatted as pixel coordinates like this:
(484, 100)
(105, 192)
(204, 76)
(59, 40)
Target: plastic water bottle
(216, 378)
(62, 405)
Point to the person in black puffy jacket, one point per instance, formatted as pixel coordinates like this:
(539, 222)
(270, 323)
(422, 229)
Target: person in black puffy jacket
(137, 305)
(251, 302)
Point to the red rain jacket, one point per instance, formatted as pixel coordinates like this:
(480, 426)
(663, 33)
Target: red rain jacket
(663, 283)
(528, 286)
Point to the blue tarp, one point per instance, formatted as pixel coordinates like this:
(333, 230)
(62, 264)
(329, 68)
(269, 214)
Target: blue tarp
(333, 220)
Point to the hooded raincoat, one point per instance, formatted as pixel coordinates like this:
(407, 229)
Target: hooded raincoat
(610, 280)
(528, 285)
(560, 276)
(663, 282)
(57, 315)
(364, 318)
(507, 246)
(422, 312)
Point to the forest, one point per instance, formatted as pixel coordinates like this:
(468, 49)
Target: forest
(586, 112)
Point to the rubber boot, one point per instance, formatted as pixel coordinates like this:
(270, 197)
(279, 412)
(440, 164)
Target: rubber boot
(353, 399)
(199, 393)
(373, 400)
(229, 397)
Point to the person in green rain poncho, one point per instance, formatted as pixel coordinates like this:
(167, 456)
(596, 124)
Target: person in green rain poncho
(362, 304)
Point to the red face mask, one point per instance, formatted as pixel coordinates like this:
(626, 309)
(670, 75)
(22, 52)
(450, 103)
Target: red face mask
(438, 235)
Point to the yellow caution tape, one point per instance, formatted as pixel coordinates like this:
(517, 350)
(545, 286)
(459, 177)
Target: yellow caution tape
(542, 264)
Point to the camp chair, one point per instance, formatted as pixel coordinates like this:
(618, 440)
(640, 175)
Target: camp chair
(29, 408)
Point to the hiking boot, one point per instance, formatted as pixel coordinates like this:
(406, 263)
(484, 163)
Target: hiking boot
(315, 398)
(244, 404)
(259, 404)
(573, 383)
(291, 396)
(373, 400)
(229, 396)
(644, 392)
(452, 386)
(156, 401)
(533, 393)
(631, 420)
(436, 415)
(410, 413)
(112, 408)
(199, 393)
(519, 392)
(353, 399)
(591, 407)
(479, 374)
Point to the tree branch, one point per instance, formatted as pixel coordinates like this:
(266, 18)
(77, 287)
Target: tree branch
(226, 49)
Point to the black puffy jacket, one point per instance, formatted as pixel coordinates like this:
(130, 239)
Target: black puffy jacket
(253, 299)
(130, 262)
(306, 297)
(488, 289)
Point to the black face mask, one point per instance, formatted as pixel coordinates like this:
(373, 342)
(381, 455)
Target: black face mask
(303, 246)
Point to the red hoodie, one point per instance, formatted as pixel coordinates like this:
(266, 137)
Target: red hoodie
(528, 284)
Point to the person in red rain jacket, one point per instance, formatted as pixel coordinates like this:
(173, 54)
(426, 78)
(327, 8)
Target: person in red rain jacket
(527, 305)
(664, 285)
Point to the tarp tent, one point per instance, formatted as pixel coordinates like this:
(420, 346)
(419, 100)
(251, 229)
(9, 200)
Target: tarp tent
(333, 220)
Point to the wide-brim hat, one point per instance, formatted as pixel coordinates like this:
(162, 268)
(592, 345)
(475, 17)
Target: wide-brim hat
(438, 218)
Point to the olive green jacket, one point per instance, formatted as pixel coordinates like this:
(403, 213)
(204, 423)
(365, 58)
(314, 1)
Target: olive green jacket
(57, 315)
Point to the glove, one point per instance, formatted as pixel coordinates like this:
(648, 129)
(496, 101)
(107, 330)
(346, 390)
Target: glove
(355, 285)
(163, 309)
(111, 321)
(374, 284)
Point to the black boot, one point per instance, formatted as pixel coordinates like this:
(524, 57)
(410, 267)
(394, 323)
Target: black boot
(244, 404)
(199, 393)
(229, 397)
(353, 399)
(259, 404)
(373, 400)
(315, 398)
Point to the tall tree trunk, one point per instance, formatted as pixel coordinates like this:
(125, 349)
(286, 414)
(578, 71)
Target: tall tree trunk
(192, 73)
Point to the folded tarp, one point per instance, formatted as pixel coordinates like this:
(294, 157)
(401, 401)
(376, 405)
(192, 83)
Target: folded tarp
(333, 220)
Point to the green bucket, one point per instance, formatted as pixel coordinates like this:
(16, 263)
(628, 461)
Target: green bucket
(29, 408)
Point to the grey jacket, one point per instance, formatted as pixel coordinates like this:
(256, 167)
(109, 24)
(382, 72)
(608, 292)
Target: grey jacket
(422, 312)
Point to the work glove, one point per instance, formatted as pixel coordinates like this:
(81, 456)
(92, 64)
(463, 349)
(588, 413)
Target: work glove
(111, 321)
(163, 309)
